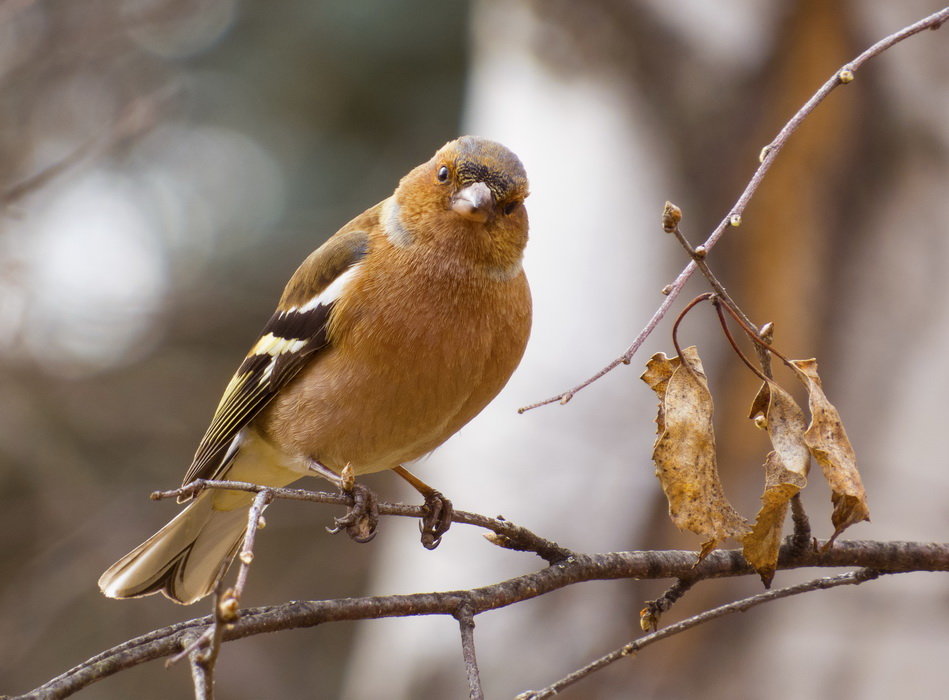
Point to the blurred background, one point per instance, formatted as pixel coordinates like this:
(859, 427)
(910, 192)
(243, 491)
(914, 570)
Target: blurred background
(166, 164)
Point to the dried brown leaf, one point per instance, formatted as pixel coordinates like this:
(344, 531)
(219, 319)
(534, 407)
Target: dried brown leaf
(684, 451)
(828, 443)
(785, 475)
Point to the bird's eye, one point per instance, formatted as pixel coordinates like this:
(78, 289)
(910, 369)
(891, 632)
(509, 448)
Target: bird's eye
(442, 174)
(511, 206)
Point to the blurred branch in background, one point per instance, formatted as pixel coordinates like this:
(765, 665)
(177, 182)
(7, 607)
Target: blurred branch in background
(136, 119)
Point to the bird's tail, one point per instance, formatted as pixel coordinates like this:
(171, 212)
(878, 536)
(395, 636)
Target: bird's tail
(184, 558)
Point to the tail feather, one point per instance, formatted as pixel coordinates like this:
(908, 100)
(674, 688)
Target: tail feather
(182, 560)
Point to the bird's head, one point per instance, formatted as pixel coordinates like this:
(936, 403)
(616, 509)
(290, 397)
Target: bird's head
(469, 198)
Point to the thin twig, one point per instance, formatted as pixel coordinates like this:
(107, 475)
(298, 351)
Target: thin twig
(254, 522)
(731, 340)
(654, 609)
(206, 658)
(682, 314)
(801, 538)
(506, 534)
(698, 256)
(850, 578)
(842, 76)
(203, 650)
(202, 673)
(192, 644)
(466, 623)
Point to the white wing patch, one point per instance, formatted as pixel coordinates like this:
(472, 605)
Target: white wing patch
(277, 346)
(332, 292)
(273, 345)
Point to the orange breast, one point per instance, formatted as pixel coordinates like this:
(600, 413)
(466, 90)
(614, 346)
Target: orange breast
(422, 354)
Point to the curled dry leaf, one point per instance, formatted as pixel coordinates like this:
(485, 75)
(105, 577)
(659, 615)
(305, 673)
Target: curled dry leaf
(785, 475)
(684, 451)
(828, 443)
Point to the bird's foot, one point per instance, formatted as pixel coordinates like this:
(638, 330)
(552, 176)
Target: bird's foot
(436, 520)
(362, 517)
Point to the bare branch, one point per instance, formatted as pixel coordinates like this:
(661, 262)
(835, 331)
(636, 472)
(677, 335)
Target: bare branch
(698, 255)
(505, 533)
(851, 578)
(466, 623)
(254, 522)
(202, 672)
(883, 556)
(202, 651)
(649, 615)
(841, 76)
(802, 525)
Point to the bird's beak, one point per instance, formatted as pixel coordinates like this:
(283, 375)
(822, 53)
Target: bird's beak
(475, 202)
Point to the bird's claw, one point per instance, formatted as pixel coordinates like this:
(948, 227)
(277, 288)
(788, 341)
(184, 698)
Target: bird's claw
(436, 520)
(362, 517)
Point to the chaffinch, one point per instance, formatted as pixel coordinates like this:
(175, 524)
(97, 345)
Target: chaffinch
(388, 338)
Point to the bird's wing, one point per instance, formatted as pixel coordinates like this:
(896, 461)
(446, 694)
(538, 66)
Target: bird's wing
(293, 336)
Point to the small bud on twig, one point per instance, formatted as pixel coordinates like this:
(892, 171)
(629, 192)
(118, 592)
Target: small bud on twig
(671, 216)
(700, 251)
(735, 220)
(845, 76)
(648, 622)
(229, 607)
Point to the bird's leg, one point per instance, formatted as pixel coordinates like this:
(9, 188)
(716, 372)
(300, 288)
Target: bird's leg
(437, 520)
(362, 517)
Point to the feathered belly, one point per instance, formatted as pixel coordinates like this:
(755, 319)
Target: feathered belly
(383, 393)
(375, 420)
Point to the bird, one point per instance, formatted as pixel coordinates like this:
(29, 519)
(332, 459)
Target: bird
(388, 338)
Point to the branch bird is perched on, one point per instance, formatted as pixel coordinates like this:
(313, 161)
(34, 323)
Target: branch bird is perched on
(388, 338)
